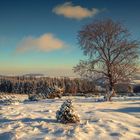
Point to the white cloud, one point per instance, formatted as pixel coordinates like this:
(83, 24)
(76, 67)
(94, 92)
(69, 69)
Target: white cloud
(46, 43)
(76, 12)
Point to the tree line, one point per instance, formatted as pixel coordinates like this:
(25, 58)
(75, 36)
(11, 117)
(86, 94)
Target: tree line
(30, 85)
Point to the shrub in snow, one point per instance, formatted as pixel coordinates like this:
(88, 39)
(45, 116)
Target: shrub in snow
(33, 97)
(66, 114)
(53, 95)
(55, 92)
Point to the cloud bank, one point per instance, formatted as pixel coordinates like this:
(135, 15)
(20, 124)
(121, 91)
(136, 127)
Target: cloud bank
(76, 12)
(46, 42)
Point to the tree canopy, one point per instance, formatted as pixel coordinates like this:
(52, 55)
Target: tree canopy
(112, 53)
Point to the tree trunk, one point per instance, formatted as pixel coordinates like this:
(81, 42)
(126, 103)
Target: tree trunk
(112, 94)
(111, 88)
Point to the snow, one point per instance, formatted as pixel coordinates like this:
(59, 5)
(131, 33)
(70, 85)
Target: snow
(117, 120)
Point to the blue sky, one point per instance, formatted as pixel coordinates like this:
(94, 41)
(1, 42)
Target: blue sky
(40, 36)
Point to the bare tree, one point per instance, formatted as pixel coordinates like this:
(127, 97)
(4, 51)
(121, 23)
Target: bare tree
(112, 54)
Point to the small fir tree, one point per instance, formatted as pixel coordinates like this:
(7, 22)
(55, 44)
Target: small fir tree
(66, 114)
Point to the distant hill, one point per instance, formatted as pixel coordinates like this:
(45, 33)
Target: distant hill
(34, 75)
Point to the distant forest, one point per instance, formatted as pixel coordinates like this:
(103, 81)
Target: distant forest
(71, 86)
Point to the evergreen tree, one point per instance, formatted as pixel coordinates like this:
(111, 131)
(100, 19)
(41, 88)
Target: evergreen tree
(66, 114)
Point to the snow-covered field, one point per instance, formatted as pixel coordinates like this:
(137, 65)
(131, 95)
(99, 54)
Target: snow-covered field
(118, 120)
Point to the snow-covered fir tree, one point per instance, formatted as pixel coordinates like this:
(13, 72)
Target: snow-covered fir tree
(66, 114)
